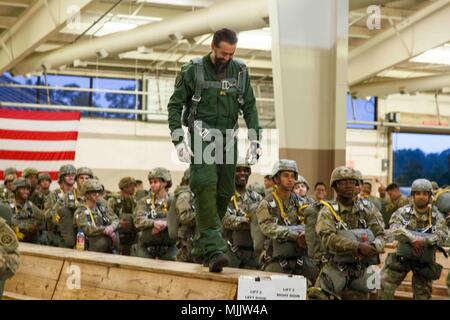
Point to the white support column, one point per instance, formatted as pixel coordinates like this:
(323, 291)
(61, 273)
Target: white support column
(309, 55)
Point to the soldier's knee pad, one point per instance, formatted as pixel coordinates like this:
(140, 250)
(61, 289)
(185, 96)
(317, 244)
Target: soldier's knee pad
(332, 279)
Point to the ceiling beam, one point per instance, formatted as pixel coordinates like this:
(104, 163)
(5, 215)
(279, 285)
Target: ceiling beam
(6, 21)
(239, 15)
(424, 30)
(34, 27)
(410, 85)
(16, 3)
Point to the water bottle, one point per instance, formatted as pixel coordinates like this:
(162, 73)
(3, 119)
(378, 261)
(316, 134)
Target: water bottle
(81, 239)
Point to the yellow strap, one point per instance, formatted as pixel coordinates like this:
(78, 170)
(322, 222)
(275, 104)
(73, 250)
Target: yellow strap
(336, 216)
(92, 218)
(430, 216)
(235, 201)
(283, 214)
(153, 201)
(301, 217)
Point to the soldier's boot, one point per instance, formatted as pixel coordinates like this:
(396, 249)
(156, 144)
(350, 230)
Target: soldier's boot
(218, 261)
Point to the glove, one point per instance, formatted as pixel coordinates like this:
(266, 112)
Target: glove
(109, 230)
(418, 245)
(184, 153)
(254, 152)
(365, 249)
(301, 240)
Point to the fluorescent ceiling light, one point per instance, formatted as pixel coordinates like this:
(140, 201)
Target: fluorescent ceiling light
(113, 27)
(439, 55)
(255, 39)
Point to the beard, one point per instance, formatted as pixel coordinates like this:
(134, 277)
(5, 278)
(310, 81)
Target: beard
(220, 65)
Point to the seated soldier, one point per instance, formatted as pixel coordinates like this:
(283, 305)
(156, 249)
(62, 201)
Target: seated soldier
(351, 233)
(150, 219)
(280, 221)
(420, 228)
(97, 221)
(238, 220)
(26, 217)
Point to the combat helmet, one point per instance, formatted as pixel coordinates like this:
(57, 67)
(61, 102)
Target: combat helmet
(20, 183)
(285, 165)
(29, 171)
(91, 185)
(84, 171)
(126, 181)
(302, 179)
(343, 173)
(66, 170)
(161, 173)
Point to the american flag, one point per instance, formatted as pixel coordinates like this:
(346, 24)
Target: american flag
(44, 140)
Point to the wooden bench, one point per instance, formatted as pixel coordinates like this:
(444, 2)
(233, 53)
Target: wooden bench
(50, 273)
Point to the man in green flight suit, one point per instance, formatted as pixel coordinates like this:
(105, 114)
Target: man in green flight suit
(214, 90)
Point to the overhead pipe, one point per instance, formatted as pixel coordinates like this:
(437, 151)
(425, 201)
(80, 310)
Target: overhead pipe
(411, 85)
(234, 14)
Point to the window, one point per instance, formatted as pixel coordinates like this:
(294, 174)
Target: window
(421, 156)
(363, 110)
(65, 97)
(159, 92)
(75, 97)
(23, 95)
(115, 100)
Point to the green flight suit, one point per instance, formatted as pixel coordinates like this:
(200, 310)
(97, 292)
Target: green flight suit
(212, 183)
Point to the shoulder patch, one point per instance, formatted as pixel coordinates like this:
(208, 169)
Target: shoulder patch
(178, 80)
(6, 240)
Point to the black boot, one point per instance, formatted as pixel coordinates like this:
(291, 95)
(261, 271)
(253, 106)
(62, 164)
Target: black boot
(218, 261)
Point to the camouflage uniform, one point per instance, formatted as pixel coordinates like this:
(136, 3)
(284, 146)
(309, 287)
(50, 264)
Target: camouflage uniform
(237, 229)
(124, 207)
(26, 217)
(9, 253)
(185, 211)
(39, 198)
(281, 224)
(393, 206)
(349, 279)
(403, 222)
(148, 210)
(59, 210)
(7, 195)
(94, 221)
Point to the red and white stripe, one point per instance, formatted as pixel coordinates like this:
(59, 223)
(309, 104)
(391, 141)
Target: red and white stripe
(44, 140)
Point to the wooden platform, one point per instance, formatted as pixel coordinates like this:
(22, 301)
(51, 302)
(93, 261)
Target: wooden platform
(49, 273)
